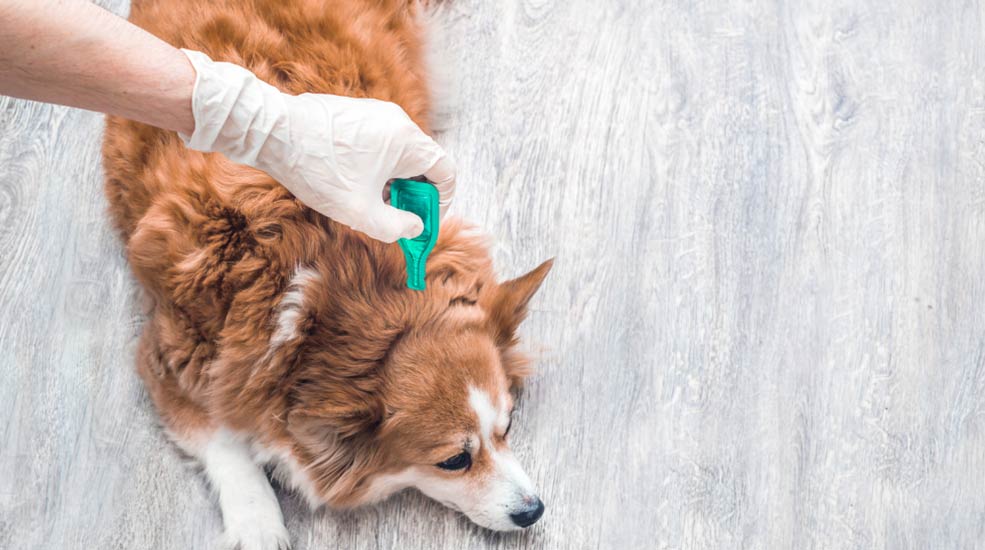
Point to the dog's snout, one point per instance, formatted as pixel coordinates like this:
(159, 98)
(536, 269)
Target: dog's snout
(529, 516)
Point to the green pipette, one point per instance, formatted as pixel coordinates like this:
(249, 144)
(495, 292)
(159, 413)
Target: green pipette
(421, 199)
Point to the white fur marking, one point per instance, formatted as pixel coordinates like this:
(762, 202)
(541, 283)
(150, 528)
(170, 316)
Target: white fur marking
(250, 511)
(507, 467)
(291, 307)
(485, 412)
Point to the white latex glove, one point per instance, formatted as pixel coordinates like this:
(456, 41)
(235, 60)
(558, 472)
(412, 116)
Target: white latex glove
(333, 153)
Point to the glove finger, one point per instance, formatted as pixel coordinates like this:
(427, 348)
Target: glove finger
(417, 155)
(388, 224)
(442, 175)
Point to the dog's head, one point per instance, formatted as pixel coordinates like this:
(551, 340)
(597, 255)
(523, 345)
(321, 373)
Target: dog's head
(418, 391)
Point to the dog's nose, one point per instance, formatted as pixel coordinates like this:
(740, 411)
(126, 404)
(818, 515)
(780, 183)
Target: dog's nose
(529, 516)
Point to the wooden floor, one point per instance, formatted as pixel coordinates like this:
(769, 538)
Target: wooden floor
(764, 328)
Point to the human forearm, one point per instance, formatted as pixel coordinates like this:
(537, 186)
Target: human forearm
(75, 53)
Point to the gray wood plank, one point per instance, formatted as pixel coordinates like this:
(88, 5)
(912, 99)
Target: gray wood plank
(763, 329)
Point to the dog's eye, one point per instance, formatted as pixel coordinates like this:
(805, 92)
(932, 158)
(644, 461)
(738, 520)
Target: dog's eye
(508, 426)
(457, 462)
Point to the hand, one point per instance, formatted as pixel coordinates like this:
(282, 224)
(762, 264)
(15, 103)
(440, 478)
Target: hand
(333, 153)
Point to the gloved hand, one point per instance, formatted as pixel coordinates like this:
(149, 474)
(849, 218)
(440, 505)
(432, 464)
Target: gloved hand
(333, 153)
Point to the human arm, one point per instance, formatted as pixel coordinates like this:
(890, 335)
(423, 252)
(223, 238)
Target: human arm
(333, 153)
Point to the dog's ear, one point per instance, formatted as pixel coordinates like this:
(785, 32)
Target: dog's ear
(337, 460)
(508, 304)
(507, 307)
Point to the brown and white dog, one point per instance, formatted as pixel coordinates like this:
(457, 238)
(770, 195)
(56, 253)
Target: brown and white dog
(278, 337)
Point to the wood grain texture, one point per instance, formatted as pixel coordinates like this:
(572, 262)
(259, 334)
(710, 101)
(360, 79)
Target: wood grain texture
(764, 328)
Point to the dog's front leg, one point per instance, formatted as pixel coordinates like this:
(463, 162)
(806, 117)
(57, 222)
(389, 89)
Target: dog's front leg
(250, 511)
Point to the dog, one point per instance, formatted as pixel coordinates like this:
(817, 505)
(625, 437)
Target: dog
(279, 338)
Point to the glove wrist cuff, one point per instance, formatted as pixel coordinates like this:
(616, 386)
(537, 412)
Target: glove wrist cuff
(235, 112)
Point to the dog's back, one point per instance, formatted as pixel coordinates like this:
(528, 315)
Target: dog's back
(210, 240)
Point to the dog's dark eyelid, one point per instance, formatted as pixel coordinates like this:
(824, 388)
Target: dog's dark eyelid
(506, 432)
(460, 461)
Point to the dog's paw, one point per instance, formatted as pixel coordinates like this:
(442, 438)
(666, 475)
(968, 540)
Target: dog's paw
(256, 535)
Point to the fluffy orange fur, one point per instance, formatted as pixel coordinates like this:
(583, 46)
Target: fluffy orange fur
(378, 372)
